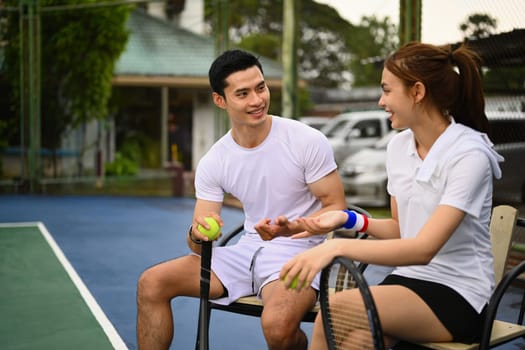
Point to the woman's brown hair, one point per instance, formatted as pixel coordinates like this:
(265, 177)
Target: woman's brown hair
(457, 92)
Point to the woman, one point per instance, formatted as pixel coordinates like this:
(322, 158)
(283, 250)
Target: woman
(440, 171)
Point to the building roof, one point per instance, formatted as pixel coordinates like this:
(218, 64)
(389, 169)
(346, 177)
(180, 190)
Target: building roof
(500, 50)
(160, 53)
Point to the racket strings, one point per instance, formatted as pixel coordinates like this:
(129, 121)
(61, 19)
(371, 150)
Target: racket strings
(344, 280)
(350, 326)
(348, 317)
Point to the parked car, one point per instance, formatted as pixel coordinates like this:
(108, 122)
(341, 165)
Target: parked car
(364, 174)
(353, 131)
(315, 122)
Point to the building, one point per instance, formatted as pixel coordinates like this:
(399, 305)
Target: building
(160, 78)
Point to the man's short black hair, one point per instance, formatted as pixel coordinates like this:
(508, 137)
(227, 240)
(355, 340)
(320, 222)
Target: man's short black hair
(227, 63)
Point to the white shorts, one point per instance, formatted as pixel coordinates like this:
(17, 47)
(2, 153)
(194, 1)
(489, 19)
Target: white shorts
(246, 267)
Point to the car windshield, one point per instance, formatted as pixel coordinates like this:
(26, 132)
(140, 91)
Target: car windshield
(335, 129)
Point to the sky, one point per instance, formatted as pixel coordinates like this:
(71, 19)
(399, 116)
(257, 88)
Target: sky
(440, 18)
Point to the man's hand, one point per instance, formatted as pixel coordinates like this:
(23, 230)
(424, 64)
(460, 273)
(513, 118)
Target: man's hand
(281, 226)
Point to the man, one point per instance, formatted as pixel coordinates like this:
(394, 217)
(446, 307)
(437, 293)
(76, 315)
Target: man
(274, 166)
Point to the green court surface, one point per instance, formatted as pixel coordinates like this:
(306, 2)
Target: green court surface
(43, 302)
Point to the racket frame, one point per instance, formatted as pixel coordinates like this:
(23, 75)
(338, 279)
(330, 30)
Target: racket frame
(347, 266)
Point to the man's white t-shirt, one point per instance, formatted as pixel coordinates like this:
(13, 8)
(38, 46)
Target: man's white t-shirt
(270, 179)
(457, 172)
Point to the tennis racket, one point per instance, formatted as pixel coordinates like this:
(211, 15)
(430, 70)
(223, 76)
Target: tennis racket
(204, 308)
(350, 319)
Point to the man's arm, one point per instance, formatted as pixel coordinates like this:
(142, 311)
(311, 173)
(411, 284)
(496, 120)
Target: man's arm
(329, 190)
(202, 209)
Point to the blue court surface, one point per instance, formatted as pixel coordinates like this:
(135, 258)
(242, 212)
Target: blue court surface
(109, 241)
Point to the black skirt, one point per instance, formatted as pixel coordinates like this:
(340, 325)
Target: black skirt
(454, 312)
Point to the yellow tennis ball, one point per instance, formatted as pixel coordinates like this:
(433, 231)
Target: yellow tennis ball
(214, 230)
(293, 285)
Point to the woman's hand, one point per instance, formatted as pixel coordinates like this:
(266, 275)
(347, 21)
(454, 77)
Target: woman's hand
(322, 224)
(307, 264)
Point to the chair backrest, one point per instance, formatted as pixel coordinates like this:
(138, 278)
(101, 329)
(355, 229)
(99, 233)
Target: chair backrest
(502, 224)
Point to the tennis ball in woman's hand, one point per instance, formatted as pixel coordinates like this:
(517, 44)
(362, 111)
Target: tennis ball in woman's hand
(214, 230)
(295, 280)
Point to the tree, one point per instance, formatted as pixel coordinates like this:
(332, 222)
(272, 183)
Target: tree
(373, 40)
(499, 78)
(328, 44)
(80, 43)
(478, 25)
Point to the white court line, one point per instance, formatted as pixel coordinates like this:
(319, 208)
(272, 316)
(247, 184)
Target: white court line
(107, 326)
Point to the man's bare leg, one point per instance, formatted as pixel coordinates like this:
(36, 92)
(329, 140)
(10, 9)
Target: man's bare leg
(283, 311)
(156, 288)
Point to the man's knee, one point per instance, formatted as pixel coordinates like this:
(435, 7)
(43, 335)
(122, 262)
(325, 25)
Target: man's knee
(149, 286)
(280, 334)
(278, 326)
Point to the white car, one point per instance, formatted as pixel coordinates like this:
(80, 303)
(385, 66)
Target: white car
(364, 175)
(353, 131)
(315, 122)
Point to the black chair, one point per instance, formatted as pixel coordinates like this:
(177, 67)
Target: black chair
(495, 332)
(249, 305)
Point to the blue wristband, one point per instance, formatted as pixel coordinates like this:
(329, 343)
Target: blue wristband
(352, 219)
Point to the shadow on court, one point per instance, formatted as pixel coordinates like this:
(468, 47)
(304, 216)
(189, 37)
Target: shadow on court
(109, 241)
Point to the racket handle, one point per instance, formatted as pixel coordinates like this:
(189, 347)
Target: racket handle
(204, 292)
(205, 268)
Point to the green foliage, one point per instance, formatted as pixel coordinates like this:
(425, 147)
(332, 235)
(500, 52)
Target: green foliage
(373, 40)
(136, 151)
(504, 79)
(478, 25)
(264, 44)
(496, 79)
(127, 160)
(79, 48)
(332, 51)
(149, 152)
(131, 149)
(3, 142)
(121, 166)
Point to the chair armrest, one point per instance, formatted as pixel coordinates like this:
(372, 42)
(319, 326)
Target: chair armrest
(520, 222)
(495, 300)
(359, 210)
(230, 235)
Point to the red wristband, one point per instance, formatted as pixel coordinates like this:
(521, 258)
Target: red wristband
(365, 224)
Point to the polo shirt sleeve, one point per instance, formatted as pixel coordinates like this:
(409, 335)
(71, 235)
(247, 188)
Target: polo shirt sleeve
(468, 181)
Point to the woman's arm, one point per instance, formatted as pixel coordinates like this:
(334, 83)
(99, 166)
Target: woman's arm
(388, 252)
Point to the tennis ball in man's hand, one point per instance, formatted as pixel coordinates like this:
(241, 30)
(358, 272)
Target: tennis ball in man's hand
(214, 230)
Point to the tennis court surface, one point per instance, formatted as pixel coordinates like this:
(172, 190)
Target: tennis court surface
(45, 305)
(107, 242)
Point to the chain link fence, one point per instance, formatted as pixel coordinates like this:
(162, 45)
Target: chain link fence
(494, 28)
